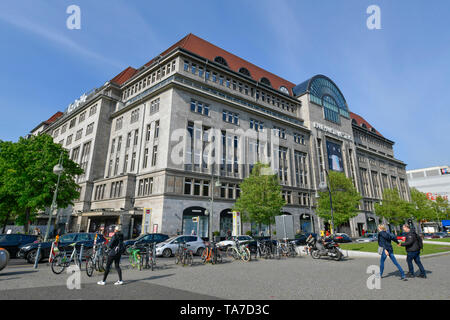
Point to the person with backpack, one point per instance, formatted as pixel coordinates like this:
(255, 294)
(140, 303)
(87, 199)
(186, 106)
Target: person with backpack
(385, 250)
(115, 251)
(413, 244)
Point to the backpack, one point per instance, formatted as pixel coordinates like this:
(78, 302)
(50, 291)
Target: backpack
(420, 241)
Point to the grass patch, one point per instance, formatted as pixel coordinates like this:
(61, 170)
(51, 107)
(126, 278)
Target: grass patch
(373, 247)
(440, 240)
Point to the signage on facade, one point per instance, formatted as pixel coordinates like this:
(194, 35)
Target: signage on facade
(236, 223)
(445, 171)
(77, 103)
(332, 131)
(147, 217)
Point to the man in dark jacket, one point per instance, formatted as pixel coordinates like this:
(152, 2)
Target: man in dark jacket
(115, 247)
(413, 252)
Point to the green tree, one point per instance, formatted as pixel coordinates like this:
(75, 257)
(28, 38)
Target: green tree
(393, 208)
(421, 207)
(344, 196)
(260, 200)
(27, 173)
(441, 209)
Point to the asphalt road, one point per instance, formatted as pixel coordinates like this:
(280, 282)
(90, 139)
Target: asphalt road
(300, 278)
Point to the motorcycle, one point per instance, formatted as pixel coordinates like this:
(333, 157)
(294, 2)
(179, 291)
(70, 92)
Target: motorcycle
(330, 248)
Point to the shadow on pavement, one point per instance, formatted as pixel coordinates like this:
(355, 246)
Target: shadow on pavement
(146, 279)
(3, 274)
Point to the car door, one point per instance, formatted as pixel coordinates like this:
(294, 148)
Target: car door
(194, 243)
(11, 243)
(175, 243)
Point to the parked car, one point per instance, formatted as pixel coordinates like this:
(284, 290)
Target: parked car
(12, 242)
(442, 234)
(169, 247)
(430, 236)
(342, 238)
(28, 251)
(402, 237)
(226, 243)
(368, 237)
(147, 238)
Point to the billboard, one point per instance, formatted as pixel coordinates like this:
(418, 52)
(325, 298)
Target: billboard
(334, 151)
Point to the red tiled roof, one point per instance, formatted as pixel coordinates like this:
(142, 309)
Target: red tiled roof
(209, 51)
(54, 117)
(360, 121)
(126, 74)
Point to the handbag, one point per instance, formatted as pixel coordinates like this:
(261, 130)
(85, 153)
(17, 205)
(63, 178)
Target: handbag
(380, 250)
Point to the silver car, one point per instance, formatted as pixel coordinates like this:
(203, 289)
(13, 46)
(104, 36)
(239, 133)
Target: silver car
(170, 246)
(368, 237)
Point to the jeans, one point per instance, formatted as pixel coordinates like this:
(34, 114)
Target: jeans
(415, 255)
(116, 260)
(392, 257)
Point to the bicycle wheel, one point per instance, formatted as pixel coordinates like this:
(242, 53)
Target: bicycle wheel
(59, 264)
(245, 255)
(232, 253)
(90, 266)
(190, 258)
(204, 256)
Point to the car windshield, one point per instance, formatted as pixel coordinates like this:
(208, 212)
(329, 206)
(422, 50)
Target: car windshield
(68, 237)
(241, 238)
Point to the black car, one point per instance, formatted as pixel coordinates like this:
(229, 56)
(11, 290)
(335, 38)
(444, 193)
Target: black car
(12, 242)
(300, 239)
(147, 238)
(29, 251)
(341, 238)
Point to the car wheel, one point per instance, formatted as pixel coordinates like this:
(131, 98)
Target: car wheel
(31, 256)
(167, 253)
(200, 251)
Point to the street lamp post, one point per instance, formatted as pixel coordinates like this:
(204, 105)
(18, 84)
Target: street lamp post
(57, 169)
(327, 187)
(214, 183)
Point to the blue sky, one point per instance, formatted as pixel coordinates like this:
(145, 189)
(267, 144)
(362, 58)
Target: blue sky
(396, 78)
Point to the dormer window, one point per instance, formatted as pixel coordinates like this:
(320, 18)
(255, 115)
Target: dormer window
(265, 81)
(364, 126)
(354, 122)
(284, 90)
(221, 61)
(245, 72)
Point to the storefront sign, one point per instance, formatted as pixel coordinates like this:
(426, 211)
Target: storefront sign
(332, 131)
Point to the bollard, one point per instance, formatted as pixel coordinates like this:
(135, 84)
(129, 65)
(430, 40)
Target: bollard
(81, 255)
(38, 253)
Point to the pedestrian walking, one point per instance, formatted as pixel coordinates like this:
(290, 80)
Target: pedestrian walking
(385, 250)
(413, 244)
(115, 250)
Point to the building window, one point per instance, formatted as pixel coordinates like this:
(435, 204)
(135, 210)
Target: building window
(156, 129)
(144, 164)
(82, 117)
(279, 132)
(69, 140)
(72, 123)
(299, 138)
(187, 186)
(136, 137)
(90, 128)
(148, 132)
(256, 125)
(79, 134)
(155, 155)
(119, 122)
(134, 116)
(133, 161)
(200, 107)
(93, 110)
(154, 106)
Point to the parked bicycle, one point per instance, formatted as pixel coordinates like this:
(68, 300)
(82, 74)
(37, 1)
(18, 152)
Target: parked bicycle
(239, 251)
(97, 261)
(148, 256)
(264, 249)
(62, 261)
(135, 255)
(211, 254)
(184, 255)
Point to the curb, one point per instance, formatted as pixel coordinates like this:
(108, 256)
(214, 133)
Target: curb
(352, 253)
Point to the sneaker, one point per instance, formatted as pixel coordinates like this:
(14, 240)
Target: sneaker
(403, 278)
(410, 275)
(423, 276)
(118, 283)
(101, 283)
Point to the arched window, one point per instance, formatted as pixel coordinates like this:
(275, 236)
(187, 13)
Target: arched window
(354, 122)
(221, 60)
(364, 126)
(265, 81)
(284, 90)
(245, 72)
(373, 130)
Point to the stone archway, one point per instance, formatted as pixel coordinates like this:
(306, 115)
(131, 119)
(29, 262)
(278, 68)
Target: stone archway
(226, 222)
